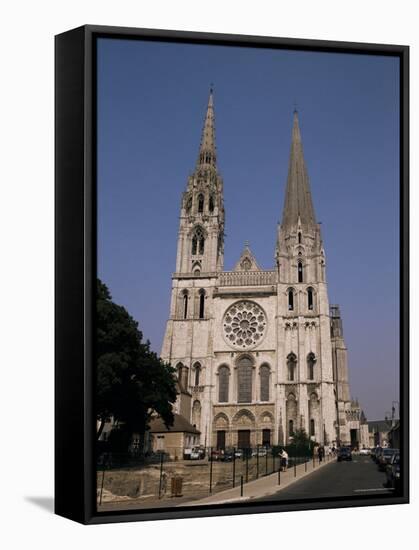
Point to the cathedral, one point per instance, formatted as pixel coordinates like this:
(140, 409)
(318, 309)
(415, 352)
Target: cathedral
(259, 353)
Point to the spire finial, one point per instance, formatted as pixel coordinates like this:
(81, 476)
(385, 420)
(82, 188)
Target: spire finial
(207, 151)
(296, 135)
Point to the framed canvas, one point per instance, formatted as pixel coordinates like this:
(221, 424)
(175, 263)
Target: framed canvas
(231, 274)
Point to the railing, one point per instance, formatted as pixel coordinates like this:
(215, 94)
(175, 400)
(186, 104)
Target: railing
(193, 472)
(247, 278)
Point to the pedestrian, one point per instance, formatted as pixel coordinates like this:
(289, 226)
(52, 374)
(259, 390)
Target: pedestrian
(320, 453)
(284, 460)
(164, 483)
(281, 460)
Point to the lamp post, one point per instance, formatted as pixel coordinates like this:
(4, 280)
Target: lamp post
(234, 467)
(210, 479)
(257, 461)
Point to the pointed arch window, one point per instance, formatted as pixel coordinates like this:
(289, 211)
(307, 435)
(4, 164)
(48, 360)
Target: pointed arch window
(223, 383)
(299, 237)
(184, 378)
(202, 303)
(179, 367)
(211, 204)
(300, 272)
(182, 375)
(264, 373)
(312, 428)
(200, 204)
(197, 372)
(290, 299)
(196, 413)
(291, 428)
(291, 366)
(310, 299)
(185, 304)
(198, 242)
(189, 205)
(311, 361)
(244, 380)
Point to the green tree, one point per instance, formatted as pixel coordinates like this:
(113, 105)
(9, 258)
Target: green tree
(300, 438)
(132, 382)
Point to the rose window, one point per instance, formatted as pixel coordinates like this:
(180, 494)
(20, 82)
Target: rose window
(244, 324)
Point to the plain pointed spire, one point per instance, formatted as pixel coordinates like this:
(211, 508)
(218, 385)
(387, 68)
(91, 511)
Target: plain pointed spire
(298, 205)
(207, 150)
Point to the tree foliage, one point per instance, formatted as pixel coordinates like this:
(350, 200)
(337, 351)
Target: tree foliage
(132, 382)
(300, 438)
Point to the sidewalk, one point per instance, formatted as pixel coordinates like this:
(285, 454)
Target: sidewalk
(264, 486)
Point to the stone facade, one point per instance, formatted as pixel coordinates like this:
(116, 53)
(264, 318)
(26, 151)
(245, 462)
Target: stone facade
(259, 353)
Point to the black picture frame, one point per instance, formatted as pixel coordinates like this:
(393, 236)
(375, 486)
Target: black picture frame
(75, 269)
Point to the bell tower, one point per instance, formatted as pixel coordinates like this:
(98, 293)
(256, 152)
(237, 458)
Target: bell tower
(200, 246)
(305, 360)
(299, 251)
(188, 338)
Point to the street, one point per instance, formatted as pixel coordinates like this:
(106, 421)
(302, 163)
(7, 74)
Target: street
(340, 479)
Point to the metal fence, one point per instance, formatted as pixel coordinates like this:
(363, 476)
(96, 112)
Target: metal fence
(189, 474)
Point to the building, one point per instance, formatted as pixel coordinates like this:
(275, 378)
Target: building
(394, 435)
(259, 353)
(379, 432)
(175, 439)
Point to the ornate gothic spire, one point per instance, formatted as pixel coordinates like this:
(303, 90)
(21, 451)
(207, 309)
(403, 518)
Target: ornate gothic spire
(207, 151)
(298, 202)
(201, 231)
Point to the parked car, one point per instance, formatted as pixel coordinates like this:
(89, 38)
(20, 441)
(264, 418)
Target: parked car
(215, 454)
(393, 472)
(228, 456)
(344, 453)
(197, 453)
(377, 454)
(385, 457)
(373, 452)
(365, 451)
(262, 451)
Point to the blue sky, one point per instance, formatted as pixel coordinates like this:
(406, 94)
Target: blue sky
(152, 98)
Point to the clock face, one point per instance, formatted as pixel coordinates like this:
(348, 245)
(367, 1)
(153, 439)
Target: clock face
(244, 325)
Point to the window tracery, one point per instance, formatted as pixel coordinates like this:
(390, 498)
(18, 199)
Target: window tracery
(244, 324)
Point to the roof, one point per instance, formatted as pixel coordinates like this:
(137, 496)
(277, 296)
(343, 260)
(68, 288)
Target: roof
(247, 261)
(298, 205)
(180, 424)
